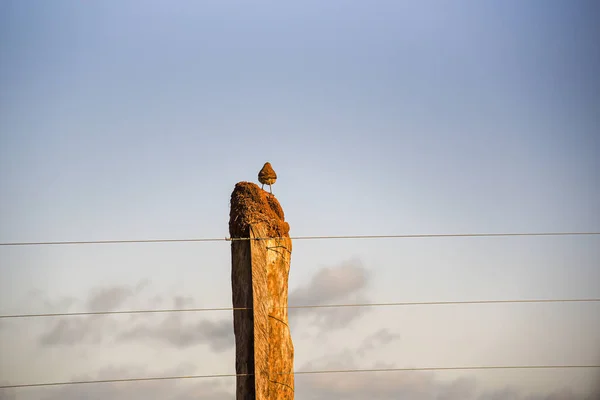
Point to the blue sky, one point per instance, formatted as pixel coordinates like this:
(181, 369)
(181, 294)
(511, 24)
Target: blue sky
(130, 119)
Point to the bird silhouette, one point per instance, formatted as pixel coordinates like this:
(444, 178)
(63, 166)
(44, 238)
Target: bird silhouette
(267, 176)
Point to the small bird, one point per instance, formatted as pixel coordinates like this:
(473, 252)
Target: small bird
(267, 176)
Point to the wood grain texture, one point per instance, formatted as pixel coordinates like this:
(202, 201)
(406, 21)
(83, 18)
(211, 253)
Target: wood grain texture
(259, 276)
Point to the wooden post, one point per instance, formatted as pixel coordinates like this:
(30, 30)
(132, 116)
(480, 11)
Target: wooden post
(259, 278)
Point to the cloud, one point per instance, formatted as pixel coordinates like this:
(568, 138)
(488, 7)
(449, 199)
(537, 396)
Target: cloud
(417, 385)
(331, 284)
(376, 340)
(167, 390)
(183, 301)
(174, 329)
(69, 331)
(349, 386)
(36, 297)
(393, 385)
(512, 393)
(89, 329)
(108, 298)
(209, 389)
(382, 386)
(342, 284)
(7, 394)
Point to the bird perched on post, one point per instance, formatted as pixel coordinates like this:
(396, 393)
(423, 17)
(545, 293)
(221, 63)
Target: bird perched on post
(267, 176)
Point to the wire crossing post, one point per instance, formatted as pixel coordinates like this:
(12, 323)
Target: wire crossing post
(261, 258)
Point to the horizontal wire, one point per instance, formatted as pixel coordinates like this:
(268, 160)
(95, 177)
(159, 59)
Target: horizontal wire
(446, 235)
(161, 378)
(229, 239)
(73, 314)
(115, 241)
(422, 303)
(164, 378)
(446, 368)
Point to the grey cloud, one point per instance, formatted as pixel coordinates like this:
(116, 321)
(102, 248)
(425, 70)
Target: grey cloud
(7, 394)
(376, 340)
(107, 299)
(512, 393)
(327, 319)
(340, 360)
(143, 284)
(331, 284)
(393, 385)
(461, 388)
(177, 330)
(36, 297)
(163, 390)
(89, 329)
(501, 394)
(183, 301)
(77, 330)
(358, 386)
(354, 386)
(173, 330)
(344, 283)
(153, 302)
(209, 389)
(63, 304)
(411, 385)
(217, 389)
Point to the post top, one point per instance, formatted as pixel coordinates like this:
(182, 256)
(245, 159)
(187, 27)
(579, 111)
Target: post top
(251, 205)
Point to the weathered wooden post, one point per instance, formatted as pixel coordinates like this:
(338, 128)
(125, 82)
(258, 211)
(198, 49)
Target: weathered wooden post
(260, 252)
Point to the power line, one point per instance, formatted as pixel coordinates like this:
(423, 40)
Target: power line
(229, 239)
(164, 378)
(422, 303)
(436, 303)
(159, 311)
(446, 235)
(161, 378)
(447, 368)
(115, 241)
